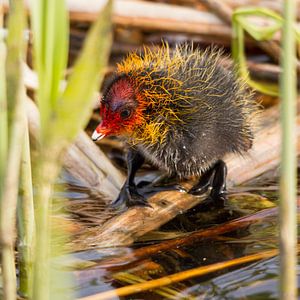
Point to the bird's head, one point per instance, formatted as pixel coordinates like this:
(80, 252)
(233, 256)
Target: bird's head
(121, 110)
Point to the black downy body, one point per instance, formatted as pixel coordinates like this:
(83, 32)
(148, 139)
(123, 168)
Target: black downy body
(215, 115)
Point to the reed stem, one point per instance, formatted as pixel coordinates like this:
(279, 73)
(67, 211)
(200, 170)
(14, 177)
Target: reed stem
(46, 173)
(3, 108)
(288, 203)
(26, 223)
(15, 131)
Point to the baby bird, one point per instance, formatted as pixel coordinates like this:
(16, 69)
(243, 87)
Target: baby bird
(181, 110)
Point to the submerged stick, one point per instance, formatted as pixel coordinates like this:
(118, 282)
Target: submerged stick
(180, 276)
(125, 228)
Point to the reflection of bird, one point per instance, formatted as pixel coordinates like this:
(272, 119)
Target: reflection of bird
(182, 111)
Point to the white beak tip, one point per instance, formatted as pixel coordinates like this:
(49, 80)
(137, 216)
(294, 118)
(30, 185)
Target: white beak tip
(97, 136)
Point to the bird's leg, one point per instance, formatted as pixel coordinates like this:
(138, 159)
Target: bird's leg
(218, 192)
(204, 183)
(129, 194)
(215, 177)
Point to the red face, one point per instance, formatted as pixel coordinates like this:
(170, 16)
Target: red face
(118, 110)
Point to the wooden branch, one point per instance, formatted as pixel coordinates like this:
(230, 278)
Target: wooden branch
(83, 160)
(125, 228)
(221, 9)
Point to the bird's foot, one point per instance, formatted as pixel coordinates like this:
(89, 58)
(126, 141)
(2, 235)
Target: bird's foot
(136, 195)
(218, 198)
(212, 202)
(199, 189)
(130, 196)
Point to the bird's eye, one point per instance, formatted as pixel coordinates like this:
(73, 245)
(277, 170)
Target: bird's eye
(125, 113)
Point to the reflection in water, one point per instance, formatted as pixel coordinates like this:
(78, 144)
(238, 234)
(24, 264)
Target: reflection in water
(249, 281)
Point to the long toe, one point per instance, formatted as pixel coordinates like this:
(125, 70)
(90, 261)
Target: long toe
(119, 201)
(122, 198)
(136, 199)
(213, 201)
(198, 190)
(153, 189)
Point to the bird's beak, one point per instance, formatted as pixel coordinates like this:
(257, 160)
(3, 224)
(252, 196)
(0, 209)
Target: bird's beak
(96, 136)
(99, 133)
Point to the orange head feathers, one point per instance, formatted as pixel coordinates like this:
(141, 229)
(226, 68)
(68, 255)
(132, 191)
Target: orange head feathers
(163, 90)
(139, 102)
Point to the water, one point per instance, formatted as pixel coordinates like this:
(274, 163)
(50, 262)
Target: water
(259, 280)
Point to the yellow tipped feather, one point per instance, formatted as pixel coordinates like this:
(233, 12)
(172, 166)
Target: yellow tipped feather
(167, 82)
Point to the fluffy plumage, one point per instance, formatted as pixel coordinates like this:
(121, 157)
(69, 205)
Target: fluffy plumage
(186, 110)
